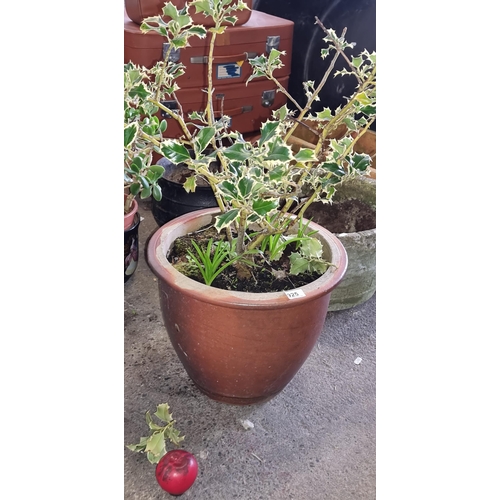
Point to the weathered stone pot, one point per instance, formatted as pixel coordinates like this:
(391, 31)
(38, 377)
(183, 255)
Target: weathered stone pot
(359, 282)
(237, 347)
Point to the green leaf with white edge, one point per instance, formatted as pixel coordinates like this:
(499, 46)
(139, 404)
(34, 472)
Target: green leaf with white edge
(259, 61)
(184, 21)
(179, 43)
(281, 113)
(173, 434)
(130, 133)
(201, 6)
(277, 173)
(225, 219)
(156, 444)
(190, 184)
(238, 152)
(140, 446)
(298, 264)
(176, 153)
(369, 110)
(170, 10)
(274, 55)
(312, 247)
(198, 31)
(363, 98)
(319, 266)
(218, 31)
(357, 61)
(163, 412)
(268, 131)
(257, 73)
(203, 138)
(228, 189)
(334, 168)
(324, 53)
(196, 116)
(263, 207)
(139, 91)
(152, 425)
(278, 151)
(231, 19)
(361, 161)
(326, 114)
(245, 186)
(149, 419)
(349, 123)
(134, 75)
(163, 126)
(305, 155)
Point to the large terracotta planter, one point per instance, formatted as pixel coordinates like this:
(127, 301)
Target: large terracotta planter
(240, 348)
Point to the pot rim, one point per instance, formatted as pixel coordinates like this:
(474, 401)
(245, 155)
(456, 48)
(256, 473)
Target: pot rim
(161, 241)
(129, 218)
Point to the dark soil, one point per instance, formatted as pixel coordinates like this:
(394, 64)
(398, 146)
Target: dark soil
(266, 276)
(349, 216)
(179, 173)
(263, 277)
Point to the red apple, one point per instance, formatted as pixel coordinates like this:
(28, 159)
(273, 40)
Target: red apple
(176, 471)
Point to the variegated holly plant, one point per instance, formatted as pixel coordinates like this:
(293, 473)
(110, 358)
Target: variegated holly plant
(261, 186)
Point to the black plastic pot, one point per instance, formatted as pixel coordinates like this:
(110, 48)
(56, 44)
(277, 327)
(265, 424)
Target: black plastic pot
(176, 200)
(131, 247)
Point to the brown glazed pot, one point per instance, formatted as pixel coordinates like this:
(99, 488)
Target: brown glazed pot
(237, 347)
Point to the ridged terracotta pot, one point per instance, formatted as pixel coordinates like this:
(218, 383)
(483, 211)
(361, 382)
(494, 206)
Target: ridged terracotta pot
(237, 347)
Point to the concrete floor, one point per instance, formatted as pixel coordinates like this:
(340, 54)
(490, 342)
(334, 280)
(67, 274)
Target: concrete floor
(314, 441)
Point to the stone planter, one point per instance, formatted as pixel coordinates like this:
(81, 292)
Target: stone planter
(359, 282)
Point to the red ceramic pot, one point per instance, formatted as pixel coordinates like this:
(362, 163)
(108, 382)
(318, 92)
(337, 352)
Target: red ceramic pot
(238, 347)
